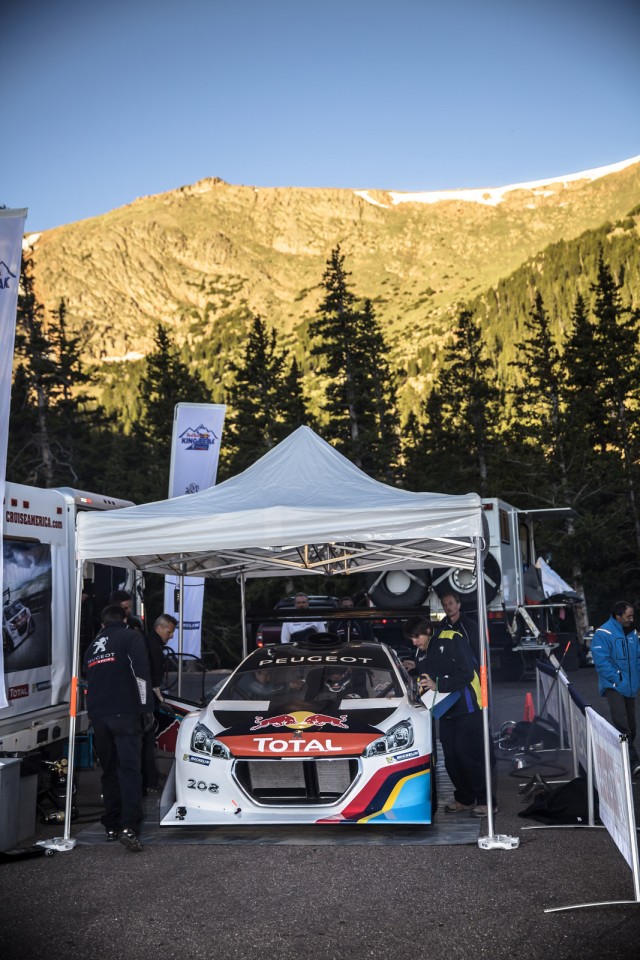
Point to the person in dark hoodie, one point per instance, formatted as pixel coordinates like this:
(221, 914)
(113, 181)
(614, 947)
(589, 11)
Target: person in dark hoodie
(120, 707)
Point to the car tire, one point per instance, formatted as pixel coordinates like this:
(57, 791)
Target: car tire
(464, 582)
(399, 589)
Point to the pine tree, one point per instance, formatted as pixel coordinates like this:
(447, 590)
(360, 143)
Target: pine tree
(255, 418)
(470, 403)
(292, 410)
(617, 387)
(53, 423)
(359, 408)
(554, 455)
(167, 381)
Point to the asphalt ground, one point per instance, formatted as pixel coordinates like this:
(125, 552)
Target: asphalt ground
(351, 901)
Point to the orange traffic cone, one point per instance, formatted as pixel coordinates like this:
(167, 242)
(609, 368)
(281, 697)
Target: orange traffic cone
(529, 709)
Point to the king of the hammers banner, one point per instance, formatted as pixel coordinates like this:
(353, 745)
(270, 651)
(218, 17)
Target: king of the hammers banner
(195, 449)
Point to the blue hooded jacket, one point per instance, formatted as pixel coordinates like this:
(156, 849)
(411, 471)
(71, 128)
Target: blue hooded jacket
(617, 658)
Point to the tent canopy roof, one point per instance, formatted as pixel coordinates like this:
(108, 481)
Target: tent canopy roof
(302, 508)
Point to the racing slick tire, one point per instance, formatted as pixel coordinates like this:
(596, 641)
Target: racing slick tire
(464, 582)
(399, 589)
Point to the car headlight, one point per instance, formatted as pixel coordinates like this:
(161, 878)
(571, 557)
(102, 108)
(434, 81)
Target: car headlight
(398, 738)
(203, 741)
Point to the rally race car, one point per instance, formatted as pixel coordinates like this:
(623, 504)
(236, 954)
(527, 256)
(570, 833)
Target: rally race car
(309, 732)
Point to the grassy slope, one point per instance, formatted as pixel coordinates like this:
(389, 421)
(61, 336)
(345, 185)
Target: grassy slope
(206, 257)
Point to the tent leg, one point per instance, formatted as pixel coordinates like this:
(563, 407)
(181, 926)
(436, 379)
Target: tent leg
(243, 616)
(492, 841)
(181, 632)
(65, 842)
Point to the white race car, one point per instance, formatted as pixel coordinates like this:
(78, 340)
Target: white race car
(309, 732)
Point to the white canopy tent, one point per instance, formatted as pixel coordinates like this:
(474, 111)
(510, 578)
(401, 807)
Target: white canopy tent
(302, 508)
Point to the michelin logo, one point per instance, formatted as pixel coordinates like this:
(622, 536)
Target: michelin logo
(408, 755)
(203, 760)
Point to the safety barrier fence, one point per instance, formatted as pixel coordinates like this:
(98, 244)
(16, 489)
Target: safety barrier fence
(599, 753)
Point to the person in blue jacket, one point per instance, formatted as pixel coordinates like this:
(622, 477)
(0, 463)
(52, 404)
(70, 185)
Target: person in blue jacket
(616, 655)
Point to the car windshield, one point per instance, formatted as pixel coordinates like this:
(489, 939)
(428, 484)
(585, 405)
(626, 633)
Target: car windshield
(312, 682)
(13, 609)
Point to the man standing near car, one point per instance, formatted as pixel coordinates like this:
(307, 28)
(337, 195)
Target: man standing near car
(163, 630)
(352, 630)
(120, 708)
(616, 655)
(457, 620)
(447, 666)
(304, 627)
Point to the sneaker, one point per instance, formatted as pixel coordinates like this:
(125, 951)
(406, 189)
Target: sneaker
(456, 807)
(481, 810)
(112, 836)
(636, 770)
(130, 840)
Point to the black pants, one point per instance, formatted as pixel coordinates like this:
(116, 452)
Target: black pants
(623, 718)
(118, 743)
(463, 748)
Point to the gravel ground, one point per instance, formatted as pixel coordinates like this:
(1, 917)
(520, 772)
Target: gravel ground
(374, 901)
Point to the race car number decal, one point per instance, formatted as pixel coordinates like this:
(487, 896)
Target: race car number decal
(201, 785)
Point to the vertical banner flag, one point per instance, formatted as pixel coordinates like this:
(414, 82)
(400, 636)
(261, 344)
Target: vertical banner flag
(11, 231)
(195, 449)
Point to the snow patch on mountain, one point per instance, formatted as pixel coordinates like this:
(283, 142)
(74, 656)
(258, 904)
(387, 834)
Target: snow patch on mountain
(492, 196)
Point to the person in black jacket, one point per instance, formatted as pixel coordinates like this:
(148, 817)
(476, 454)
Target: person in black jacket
(449, 666)
(120, 706)
(357, 630)
(163, 630)
(457, 620)
(124, 599)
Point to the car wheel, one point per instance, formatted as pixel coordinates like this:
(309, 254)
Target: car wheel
(465, 583)
(399, 589)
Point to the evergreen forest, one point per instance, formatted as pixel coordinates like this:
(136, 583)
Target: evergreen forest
(544, 414)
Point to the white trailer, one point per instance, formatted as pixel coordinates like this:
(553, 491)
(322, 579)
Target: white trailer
(517, 606)
(38, 542)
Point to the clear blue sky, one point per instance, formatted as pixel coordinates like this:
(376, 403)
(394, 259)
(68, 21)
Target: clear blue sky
(108, 100)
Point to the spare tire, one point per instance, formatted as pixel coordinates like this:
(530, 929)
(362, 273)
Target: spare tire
(465, 584)
(399, 589)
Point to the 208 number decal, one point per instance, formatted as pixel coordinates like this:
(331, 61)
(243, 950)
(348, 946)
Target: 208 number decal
(201, 785)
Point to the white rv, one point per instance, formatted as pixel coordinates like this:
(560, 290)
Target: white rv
(38, 610)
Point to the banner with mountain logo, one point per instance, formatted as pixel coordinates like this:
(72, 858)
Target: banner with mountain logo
(195, 450)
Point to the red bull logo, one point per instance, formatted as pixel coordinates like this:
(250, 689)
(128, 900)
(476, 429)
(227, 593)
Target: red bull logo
(300, 720)
(281, 720)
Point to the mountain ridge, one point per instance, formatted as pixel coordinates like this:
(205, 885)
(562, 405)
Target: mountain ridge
(206, 257)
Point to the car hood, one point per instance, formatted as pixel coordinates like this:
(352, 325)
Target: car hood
(300, 729)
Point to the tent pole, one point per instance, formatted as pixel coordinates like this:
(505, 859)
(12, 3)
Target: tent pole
(180, 627)
(482, 630)
(73, 702)
(243, 615)
(491, 841)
